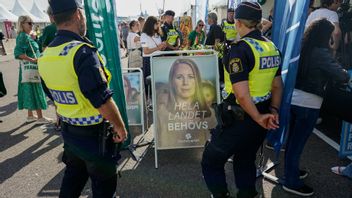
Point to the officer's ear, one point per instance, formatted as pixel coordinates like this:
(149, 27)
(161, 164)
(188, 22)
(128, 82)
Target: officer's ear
(238, 23)
(80, 13)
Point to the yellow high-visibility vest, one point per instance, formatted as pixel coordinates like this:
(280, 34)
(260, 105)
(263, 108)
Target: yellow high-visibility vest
(230, 31)
(56, 67)
(267, 62)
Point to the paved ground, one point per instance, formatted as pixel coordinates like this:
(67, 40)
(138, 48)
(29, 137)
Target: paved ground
(30, 161)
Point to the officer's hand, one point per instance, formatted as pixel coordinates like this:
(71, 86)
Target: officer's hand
(273, 123)
(120, 135)
(263, 120)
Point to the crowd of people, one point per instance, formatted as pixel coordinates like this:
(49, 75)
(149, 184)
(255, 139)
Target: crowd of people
(241, 32)
(79, 88)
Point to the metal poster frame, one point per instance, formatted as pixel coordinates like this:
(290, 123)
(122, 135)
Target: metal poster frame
(185, 53)
(142, 98)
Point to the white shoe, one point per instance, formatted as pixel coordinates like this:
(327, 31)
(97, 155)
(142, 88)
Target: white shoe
(319, 121)
(44, 120)
(31, 119)
(338, 169)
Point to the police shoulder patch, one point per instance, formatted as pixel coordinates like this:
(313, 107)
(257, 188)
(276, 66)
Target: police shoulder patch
(235, 66)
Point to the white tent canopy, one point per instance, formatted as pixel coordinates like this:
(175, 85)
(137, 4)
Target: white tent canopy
(19, 10)
(36, 11)
(5, 15)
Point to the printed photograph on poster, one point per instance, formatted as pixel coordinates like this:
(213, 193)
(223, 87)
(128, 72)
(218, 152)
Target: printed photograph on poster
(346, 132)
(346, 140)
(133, 96)
(183, 97)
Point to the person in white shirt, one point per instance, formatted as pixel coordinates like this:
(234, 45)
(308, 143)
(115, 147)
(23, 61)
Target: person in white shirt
(151, 42)
(134, 46)
(133, 39)
(328, 10)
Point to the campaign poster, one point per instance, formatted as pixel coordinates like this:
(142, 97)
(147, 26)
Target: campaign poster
(133, 96)
(184, 89)
(346, 133)
(346, 140)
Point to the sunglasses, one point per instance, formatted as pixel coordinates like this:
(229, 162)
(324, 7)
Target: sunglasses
(200, 25)
(29, 23)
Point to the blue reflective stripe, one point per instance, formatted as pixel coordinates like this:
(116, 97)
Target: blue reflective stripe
(257, 100)
(83, 121)
(255, 44)
(68, 47)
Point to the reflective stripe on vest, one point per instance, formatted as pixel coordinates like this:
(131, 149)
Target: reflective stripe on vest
(83, 121)
(172, 36)
(230, 31)
(56, 67)
(267, 62)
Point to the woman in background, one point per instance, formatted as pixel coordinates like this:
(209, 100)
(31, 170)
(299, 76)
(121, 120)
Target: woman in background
(133, 39)
(30, 95)
(151, 42)
(316, 67)
(197, 36)
(134, 46)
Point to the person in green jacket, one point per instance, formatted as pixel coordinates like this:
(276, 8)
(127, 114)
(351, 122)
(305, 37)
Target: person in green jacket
(30, 95)
(197, 36)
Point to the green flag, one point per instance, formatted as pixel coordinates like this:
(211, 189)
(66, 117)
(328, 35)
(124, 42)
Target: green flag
(101, 28)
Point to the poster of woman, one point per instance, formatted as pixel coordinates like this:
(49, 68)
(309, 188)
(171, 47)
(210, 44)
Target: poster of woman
(132, 88)
(182, 99)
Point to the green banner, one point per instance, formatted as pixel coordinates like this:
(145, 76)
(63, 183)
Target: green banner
(101, 26)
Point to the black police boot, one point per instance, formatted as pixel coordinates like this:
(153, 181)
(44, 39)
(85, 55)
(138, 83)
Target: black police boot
(222, 195)
(247, 194)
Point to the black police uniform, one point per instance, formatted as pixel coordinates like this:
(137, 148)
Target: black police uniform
(166, 28)
(82, 154)
(215, 32)
(240, 139)
(81, 143)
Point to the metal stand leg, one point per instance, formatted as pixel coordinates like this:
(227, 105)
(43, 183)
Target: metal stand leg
(264, 169)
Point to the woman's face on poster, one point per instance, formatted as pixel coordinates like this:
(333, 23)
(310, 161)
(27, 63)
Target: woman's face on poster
(184, 81)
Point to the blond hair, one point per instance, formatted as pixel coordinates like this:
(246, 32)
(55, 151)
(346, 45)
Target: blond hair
(252, 24)
(21, 21)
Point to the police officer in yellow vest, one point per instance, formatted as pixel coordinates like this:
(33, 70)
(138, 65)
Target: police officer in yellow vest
(254, 87)
(75, 75)
(228, 26)
(170, 34)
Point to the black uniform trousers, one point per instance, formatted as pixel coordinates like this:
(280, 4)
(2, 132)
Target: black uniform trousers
(240, 140)
(82, 159)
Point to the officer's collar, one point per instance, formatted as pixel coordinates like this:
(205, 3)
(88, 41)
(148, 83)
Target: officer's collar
(256, 34)
(70, 34)
(230, 22)
(170, 26)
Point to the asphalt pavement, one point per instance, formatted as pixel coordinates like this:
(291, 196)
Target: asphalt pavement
(30, 161)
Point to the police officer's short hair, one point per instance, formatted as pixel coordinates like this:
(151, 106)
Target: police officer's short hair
(49, 11)
(213, 16)
(64, 17)
(252, 24)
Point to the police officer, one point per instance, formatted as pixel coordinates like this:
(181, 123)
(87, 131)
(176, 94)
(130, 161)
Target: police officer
(78, 81)
(254, 88)
(170, 34)
(228, 26)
